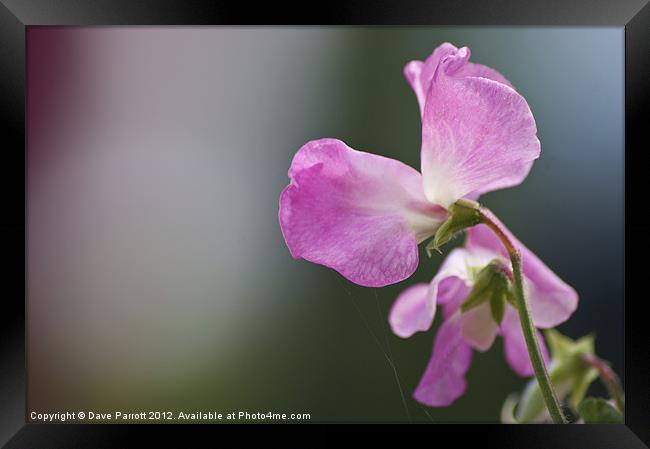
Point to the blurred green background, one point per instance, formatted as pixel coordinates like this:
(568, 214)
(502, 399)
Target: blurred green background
(158, 277)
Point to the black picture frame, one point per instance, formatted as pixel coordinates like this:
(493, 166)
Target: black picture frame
(17, 15)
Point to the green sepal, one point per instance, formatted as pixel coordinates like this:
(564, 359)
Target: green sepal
(599, 411)
(567, 353)
(463, 214)
(581, 381)
(480, 291)
(491, 284)
(569, 375)
(498, 306)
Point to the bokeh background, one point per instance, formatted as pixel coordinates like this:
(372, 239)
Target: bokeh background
(158, 277)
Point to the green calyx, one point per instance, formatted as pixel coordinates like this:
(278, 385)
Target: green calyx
(570, 376)
(599, 411)
(491, 285)
(567, 354)
(463, 214)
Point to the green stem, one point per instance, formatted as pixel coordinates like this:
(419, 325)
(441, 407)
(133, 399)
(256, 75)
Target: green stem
(550, 398)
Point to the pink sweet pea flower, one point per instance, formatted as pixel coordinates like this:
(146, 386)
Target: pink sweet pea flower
(364, 215)
(551, 300)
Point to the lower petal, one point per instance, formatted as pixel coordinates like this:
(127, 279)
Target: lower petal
(454, 291)
(415, 307)
(552, 301)
(358, 213)
(412, 311)
(479, 328)
(514, 344)
(444, 378)
(454, 279)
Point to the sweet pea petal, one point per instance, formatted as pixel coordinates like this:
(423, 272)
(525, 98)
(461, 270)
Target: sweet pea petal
(479, 328)
(455, 278)
(358, 213)
(412, 311)
(514, 345)
(452, 292)
(444, 378)
(478, 135)
(482, 71)
(552, 301)
(415, 307)
(419, 73)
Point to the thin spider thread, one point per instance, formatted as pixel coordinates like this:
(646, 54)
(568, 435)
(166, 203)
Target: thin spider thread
(392, 359)
(379, 345)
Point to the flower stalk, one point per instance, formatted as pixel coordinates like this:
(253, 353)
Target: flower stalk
(543, 379)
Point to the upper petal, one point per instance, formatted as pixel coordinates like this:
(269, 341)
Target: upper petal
(514, 345)
(552, 301)
(419, 73)
(444, 378)
(482, 71)
(358, 213)
(478, 134)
